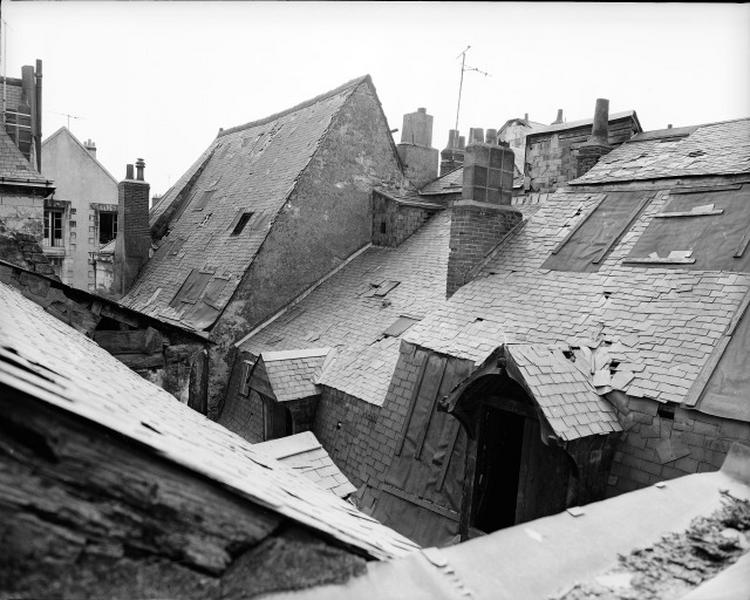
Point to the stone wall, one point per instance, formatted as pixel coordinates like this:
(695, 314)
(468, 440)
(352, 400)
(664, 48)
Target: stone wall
(550, 158)
(665, 441)
(394, 222)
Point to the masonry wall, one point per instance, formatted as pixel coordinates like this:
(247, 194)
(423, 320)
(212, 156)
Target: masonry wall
(550, 161)
(656, 447)
(240, 413)
(80, 181)
(327, 218)
(393, 223)
(475, 231)
(22, 229)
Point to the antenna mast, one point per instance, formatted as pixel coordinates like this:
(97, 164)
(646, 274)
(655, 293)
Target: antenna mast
(465, 68)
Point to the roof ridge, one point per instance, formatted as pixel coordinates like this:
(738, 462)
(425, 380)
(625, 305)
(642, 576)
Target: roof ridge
(349, 84)
(698, 126)
(80, 144)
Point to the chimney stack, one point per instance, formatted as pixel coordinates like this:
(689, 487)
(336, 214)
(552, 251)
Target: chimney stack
(419, 158)
(597, 145)
(452, 156)
(476, 135)
(90, 147)
(134, 234)
(559, 119)
(491, 136)
(483, 216)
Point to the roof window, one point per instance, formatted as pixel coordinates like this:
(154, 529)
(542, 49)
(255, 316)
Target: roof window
(400, 325)
(241, 222)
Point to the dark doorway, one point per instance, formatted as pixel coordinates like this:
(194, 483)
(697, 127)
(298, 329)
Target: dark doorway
(498, 469)
(277, 420)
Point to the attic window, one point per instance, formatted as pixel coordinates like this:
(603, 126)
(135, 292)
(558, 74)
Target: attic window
(711, 226)
(597, 232)
(241, 222)
(399, 326)
(203, 200)
(382, 288)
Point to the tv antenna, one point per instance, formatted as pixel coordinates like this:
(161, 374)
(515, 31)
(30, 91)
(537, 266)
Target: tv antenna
(464, 69)
(67, 115)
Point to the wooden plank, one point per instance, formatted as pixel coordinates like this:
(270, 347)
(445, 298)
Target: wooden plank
(455, 432)
(658, 261)
(689, 213)
(412, 402)
(467, 498)
(433, 404)
(141, 361)
(139, 341)
(411, 498)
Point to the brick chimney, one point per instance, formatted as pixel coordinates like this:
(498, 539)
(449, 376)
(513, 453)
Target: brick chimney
(597, 145)
(133, 232)
(419, 158)
(483, 216)
(90, 147)
(452, 157)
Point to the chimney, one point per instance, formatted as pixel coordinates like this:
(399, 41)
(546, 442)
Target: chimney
(589, 153)
(36, 125)
(452, 156)
(419, 158)
(90, 147)
(526, 116)
(483, 216)
(491, 136)
(133, 233)
(559, 119)
(476, 135)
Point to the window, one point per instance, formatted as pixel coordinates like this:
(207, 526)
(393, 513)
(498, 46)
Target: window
(53, 228)
(241, 222)
(107, 227)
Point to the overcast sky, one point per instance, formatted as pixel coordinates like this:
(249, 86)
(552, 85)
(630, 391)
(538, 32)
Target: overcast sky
(157, 79)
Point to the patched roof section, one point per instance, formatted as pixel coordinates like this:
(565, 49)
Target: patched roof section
(248, 170)
(649, 330)
(46, 358)
(13, 164)
(563, 392)
(713, 149)
(352, 311)
(293, 374)
(303, 453)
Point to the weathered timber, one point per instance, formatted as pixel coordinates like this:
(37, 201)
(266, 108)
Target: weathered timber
(89, 513)
(140, 341)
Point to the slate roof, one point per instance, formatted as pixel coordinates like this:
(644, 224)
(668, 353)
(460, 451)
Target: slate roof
(49, 360)
(645, 330)
(712, 149)
(292, 375)
(447, 184)
(303, 453)
(564, 393)
(347, 313)
(250, 168)
(13, 164)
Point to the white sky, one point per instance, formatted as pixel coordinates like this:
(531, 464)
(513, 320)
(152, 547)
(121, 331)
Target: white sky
(157, 79)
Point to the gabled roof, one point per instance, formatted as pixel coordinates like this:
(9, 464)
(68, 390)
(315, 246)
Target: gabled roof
(712, 149)
(293, 374)
(252, 168)
(628, 114)
(50, 361)
(64, 131)
(304, 453)
(14, 168)
(647, 330)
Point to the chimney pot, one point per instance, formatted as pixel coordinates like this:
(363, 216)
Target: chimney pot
(669, 126)
(600, 128)
(139, 166)
(129, 171)
(453, 138)
(525, 116)
(491, 136)
(559, 119)
(422, 110)
(476, 135)
(461, 142)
